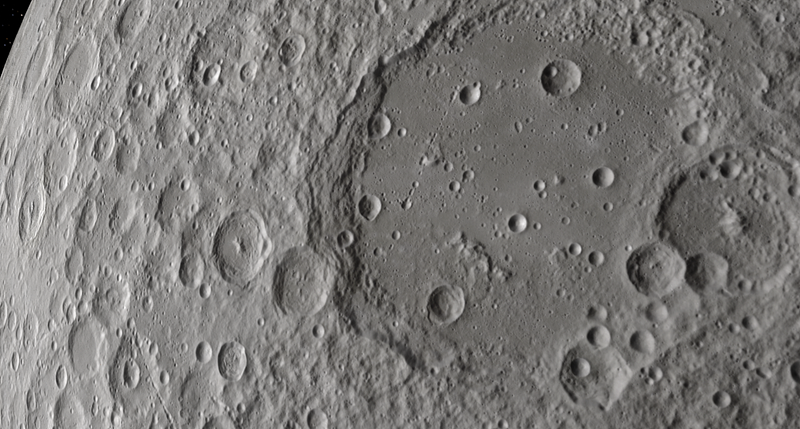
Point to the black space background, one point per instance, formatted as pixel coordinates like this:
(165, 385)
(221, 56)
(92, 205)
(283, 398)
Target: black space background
(11, 15)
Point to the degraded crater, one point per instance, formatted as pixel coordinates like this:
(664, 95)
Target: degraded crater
(595, 377)
(39, 63)
(220, 422)
(129, 375)
(133, 19)
(197, 397)
(696, 133)
(292, 49)
(707, 272)
(73, 78)
(655, 269)
(345, 239)
(211, 75)
(192, 269)
(643, 341)
(656, 312)
(89, 215)
(232, 361)
(122, 214)
(317, 419)
(748, 219)
(69, 412)
(60, 160)
(248, 71)
(135, 381)
(178, 203)
(303, 281)
(488, 190)
(88, 347)
(445, 304)
(112, 301)
(104, 145)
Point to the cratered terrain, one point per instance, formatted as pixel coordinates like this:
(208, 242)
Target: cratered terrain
(251, 214)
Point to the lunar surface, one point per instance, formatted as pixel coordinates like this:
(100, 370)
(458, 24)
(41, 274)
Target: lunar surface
(241, 214)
